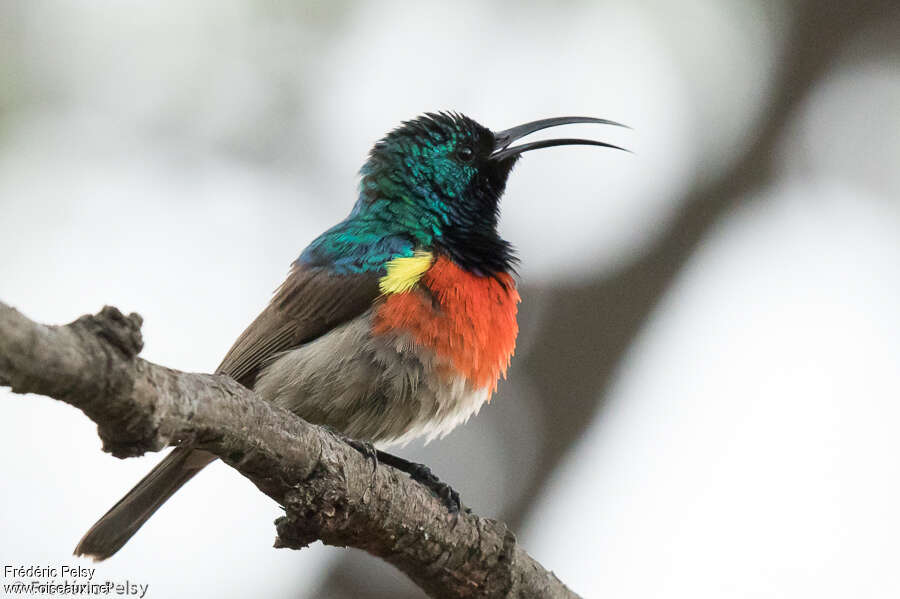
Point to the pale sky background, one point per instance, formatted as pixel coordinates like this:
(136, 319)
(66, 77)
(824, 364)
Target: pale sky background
(173, 159)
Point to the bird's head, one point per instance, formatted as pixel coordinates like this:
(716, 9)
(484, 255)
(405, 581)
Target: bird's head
(439, 178)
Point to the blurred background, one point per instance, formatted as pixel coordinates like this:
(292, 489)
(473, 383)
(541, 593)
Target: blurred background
(705, 397)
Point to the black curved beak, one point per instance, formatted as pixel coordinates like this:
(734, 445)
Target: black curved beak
(502, 139)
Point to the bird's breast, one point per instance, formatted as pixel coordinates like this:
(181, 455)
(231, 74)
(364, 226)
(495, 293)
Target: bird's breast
(467, 321)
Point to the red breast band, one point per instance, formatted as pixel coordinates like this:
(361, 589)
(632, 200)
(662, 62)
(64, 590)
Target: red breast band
(468, 320)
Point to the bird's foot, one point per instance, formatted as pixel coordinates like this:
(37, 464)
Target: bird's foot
(423, 475)
(366, 449)
(420, 473)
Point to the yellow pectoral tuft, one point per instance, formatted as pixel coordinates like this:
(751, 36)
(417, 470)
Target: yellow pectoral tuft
(403, 273)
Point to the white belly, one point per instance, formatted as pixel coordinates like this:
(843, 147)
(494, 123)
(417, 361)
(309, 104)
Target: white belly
(384, 389)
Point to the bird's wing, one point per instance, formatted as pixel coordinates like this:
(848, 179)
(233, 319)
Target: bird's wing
(310, 302)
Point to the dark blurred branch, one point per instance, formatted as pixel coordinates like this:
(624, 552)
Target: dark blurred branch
(596, 320)
(329, 491)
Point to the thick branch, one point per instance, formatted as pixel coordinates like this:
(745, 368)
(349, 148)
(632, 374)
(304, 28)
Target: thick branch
(329, 491)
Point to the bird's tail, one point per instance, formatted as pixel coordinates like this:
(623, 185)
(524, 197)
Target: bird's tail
(124, 519)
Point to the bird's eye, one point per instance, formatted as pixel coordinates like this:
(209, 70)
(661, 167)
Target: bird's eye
(465, 153)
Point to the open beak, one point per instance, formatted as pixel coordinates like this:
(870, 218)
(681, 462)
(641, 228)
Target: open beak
(502, 139)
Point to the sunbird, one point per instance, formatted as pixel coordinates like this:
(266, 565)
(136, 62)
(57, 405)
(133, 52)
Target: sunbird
(397, 322)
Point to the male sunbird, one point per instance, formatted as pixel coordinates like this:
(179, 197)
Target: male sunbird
(395, 323)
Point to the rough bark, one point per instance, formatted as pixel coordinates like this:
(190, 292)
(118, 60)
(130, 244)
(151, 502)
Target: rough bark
(330, 492)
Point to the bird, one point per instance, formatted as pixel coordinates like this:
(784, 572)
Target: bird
(396, 323)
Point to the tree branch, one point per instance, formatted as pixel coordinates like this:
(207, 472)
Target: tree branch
(329, 491)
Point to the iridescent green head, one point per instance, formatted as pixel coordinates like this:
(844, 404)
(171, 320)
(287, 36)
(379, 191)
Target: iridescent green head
(435, 183)
(436, 175)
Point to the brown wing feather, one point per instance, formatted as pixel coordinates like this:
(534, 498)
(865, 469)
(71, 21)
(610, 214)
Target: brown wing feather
(309, 303)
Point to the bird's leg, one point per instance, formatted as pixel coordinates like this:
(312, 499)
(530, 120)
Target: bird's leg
(420, 473)
(423, 475)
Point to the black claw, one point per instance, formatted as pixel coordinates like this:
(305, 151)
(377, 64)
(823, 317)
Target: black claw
(423, 475)
(420, 473)
(366, 449)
